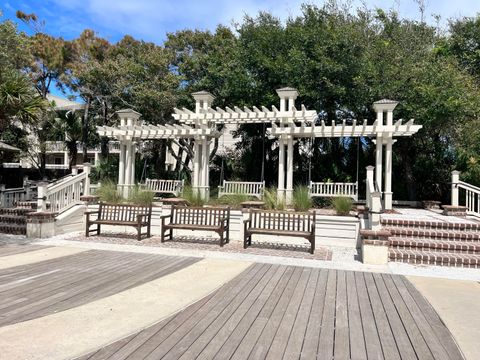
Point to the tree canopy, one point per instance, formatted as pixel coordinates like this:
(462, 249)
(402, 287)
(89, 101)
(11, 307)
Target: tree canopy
(340, 59)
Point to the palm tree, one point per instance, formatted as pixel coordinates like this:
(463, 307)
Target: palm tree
(68, 124)
(18, 99)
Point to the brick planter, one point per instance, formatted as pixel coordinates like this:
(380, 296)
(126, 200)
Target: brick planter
(40, 224)
(431, 204)
(375, 245)
(450, 210)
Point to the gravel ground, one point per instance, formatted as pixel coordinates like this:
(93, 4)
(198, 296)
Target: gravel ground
(211, 244)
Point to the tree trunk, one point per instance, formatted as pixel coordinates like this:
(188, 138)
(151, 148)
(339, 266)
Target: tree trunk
(104, 150)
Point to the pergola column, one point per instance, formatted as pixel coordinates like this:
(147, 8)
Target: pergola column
(289, 190)
(126, 168)
(285, 168)
(200, 180)
(281, 169)
(381, 107)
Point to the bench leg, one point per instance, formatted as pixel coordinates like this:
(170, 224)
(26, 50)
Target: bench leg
(312, 245)
(227, 239)
(87, 228)
(170, 234)
(245, 241)
(221, 238)
(98, 229)
(139, 233)
(148, 231)
(162, 237)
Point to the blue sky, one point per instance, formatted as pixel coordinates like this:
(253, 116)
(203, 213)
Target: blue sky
(150, 20)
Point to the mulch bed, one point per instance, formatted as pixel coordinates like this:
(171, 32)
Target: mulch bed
(211, 244)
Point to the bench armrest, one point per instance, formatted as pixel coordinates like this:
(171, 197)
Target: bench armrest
(140, 216)
(165, 216)
(246, 221)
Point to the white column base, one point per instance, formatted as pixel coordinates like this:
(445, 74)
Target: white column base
(388, 200)
(288, 196)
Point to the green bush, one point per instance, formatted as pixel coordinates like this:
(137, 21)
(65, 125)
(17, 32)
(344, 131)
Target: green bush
(271, 200)
(233, 200)
(342, 205)
(141, 197)
(192, 198)
(301, 199)
(107, 192)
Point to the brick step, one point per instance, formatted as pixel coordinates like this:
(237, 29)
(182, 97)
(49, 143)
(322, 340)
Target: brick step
(451, 235)
(15, 211)
(27, 204)
(438, 225)
(434, 258)
(13, 219)
(443, 246)
(13, 229)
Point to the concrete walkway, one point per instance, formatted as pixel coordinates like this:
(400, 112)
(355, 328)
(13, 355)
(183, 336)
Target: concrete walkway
(35, 256)
(458, 305)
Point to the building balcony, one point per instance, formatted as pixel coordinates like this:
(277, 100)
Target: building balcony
(59, 147)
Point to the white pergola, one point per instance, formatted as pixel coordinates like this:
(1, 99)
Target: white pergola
(287, 123)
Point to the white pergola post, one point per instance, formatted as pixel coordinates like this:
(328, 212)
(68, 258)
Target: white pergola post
(384, 180)
(281, 169)
(126, 168)
(200, 181)
(285, 169)
(455, 181)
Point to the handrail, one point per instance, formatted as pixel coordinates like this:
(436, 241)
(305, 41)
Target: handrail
(467, 186)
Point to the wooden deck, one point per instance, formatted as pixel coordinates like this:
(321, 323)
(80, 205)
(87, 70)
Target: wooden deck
(281, 312)
(42, 288)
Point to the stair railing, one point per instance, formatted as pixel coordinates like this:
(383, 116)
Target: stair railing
(471, 197)
(61, 196)
(11, 196)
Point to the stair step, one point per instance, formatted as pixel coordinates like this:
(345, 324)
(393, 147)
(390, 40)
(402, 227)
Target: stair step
(15, 211)
(452, 235)
(434, 258)
(27, 204)
(443, 246)
(13, 219)
(424, 224)
(13, 229)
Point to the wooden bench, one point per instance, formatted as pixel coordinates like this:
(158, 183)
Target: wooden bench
(327, 189)
(120, 214)
(215, 219)
(160, 186)
(250, 188)
(280, 223)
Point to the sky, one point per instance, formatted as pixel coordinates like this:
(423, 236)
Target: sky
(151, 20)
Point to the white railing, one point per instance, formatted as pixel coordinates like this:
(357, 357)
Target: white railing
(62, 195)
(11, 165)
(160, 186)
(470, 198)
(59, 146)
(334, 189)
(10, 197)
(250, 188)
(56, 166)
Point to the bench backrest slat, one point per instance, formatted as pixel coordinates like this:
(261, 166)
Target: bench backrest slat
(122, 212)
(198, 215)
(281, 220)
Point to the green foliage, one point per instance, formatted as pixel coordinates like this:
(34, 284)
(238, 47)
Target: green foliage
(139, 196)
(105, 170)
(272, 202)
(301, 199)
(107, 192)
(192, 197)
(342, 205)
(233, 200)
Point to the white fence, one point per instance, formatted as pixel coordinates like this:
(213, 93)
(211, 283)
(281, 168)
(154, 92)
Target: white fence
(335, 189)
(10, 197)
(250, 188)
(470, 196)
(159, 186)
(62, 195)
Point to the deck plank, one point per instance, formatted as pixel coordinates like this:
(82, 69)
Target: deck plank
(342, 338)
(370, 330)
(280, 341)
(358, 349)
(399, 332)
(248, 337)
(10, 249)
(327, 332)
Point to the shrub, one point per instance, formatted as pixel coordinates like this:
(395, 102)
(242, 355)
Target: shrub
(301, 199)
(272, 202)
(342, 205)
(233, 200)
(107, 192)
(141, 197)
(192, 198)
